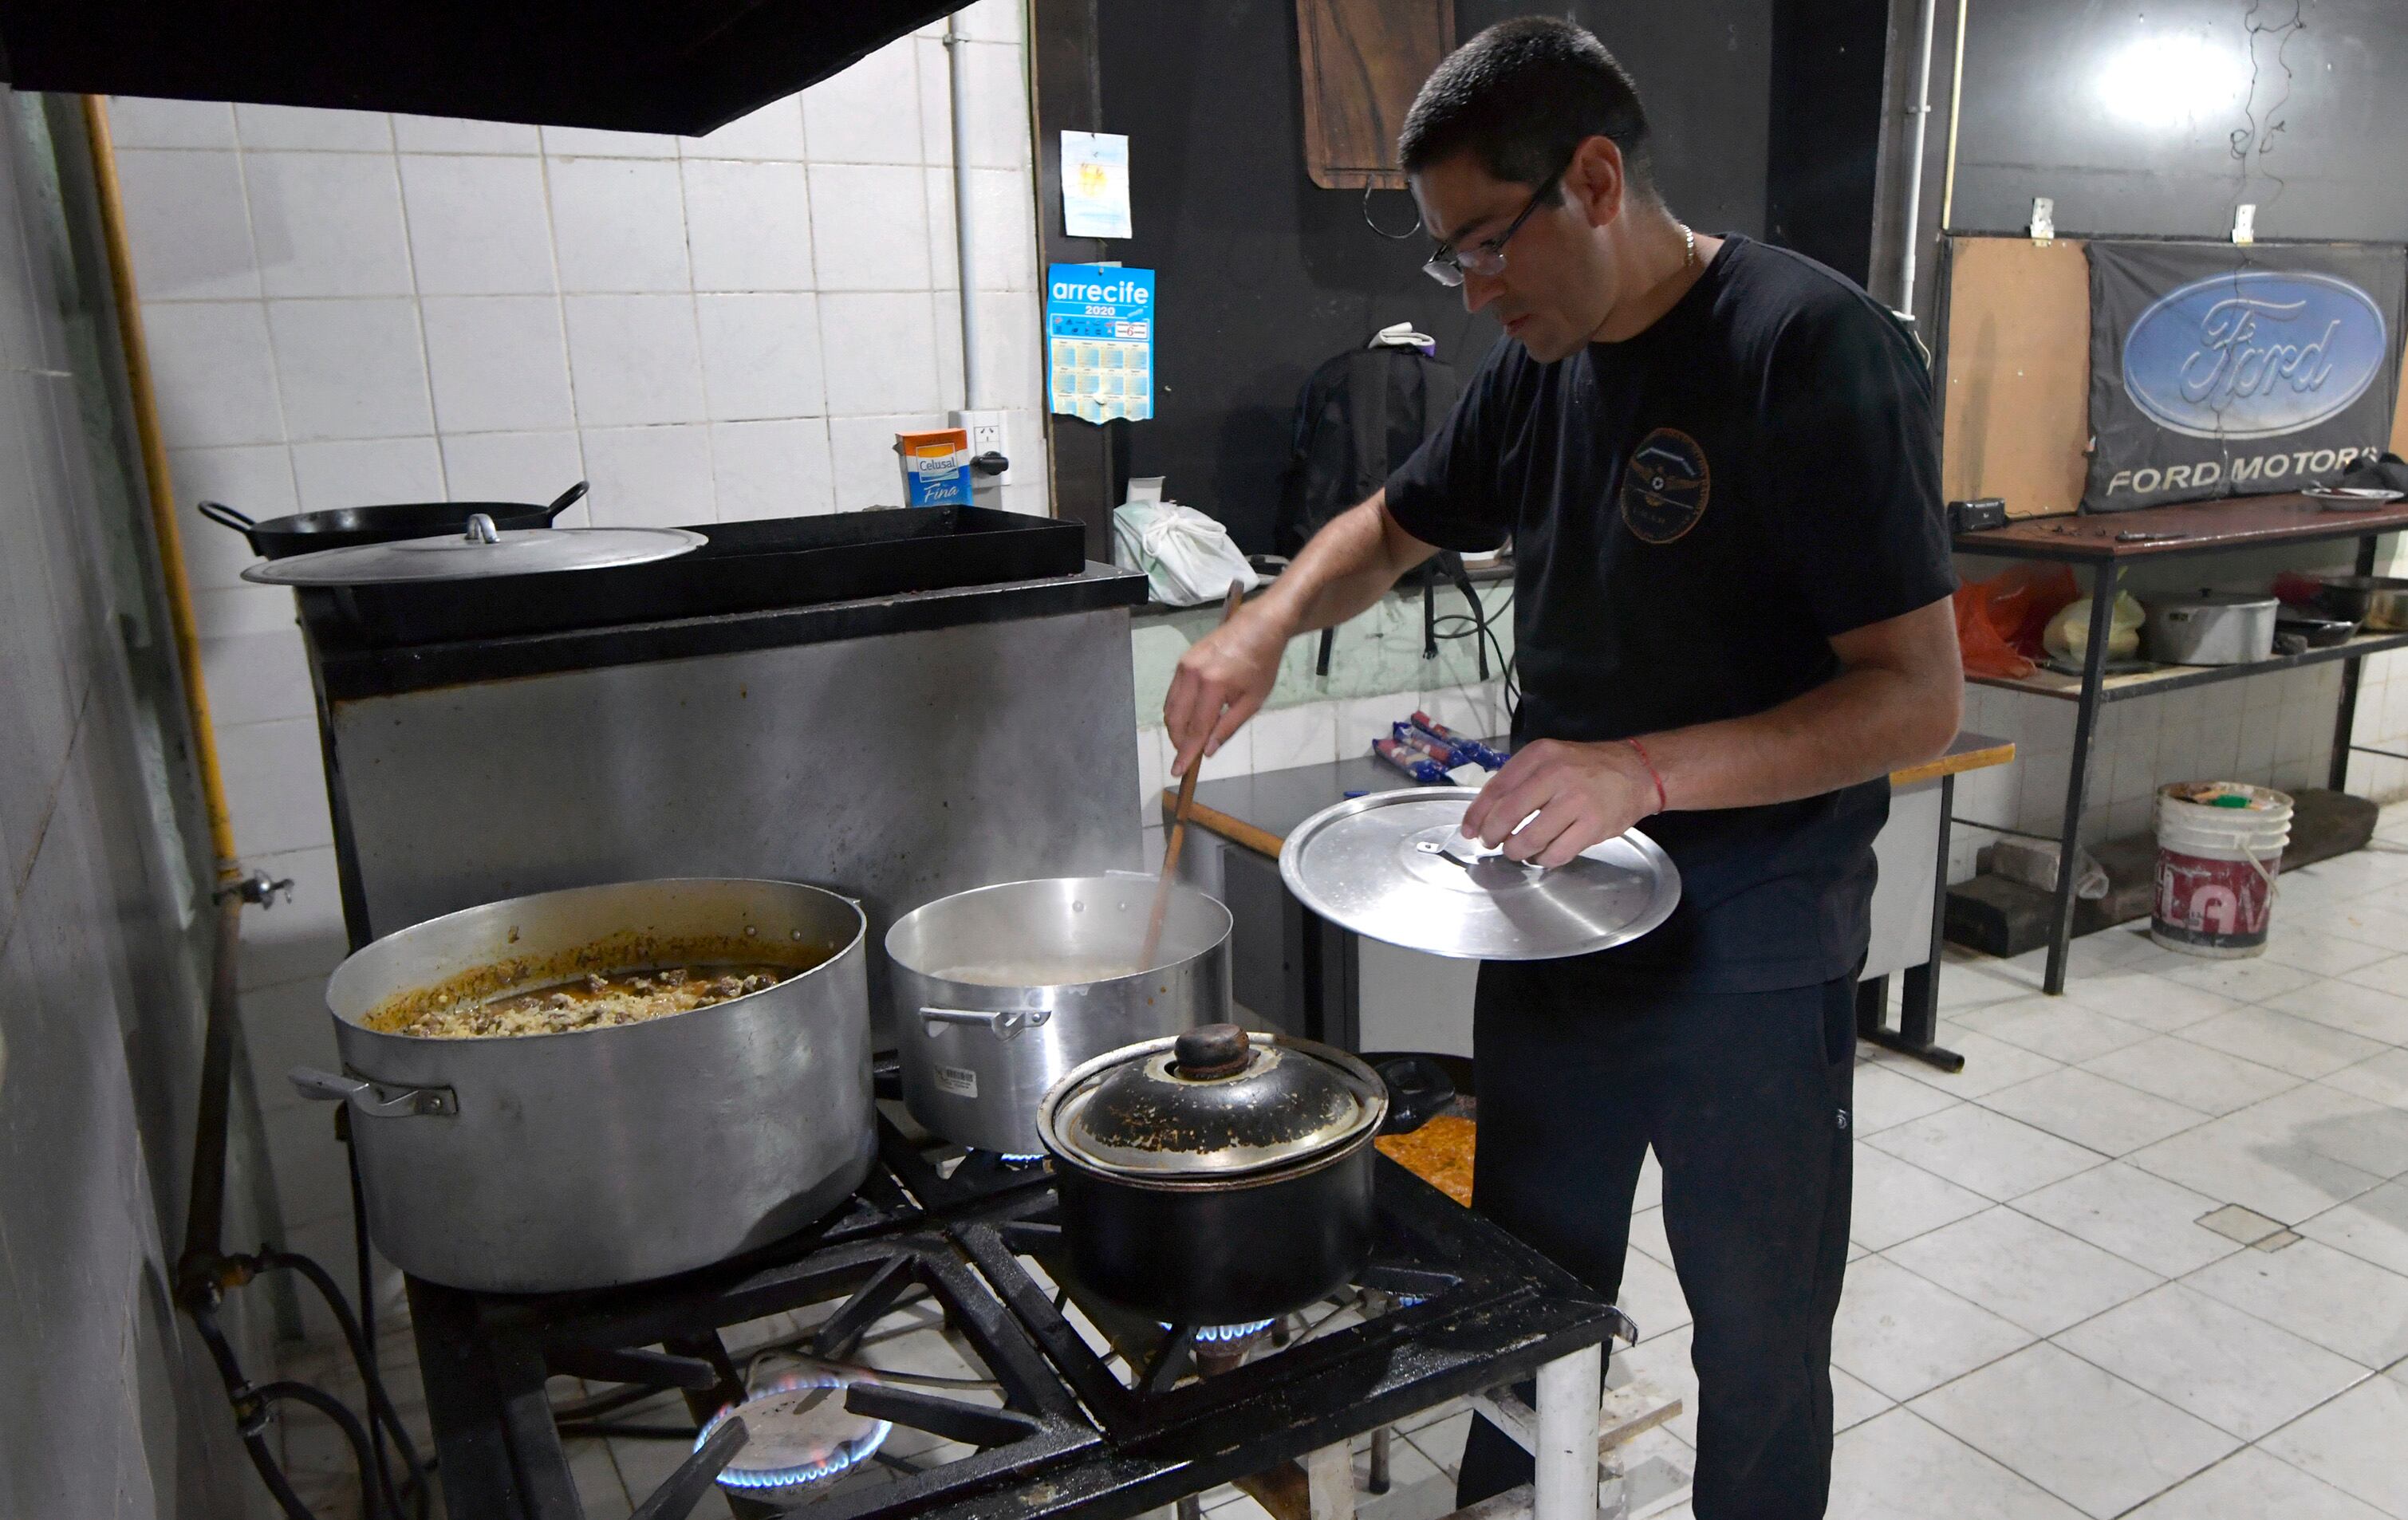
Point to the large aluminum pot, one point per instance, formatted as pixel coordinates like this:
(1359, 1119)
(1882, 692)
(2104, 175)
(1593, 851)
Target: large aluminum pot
(614, 1154)
(1000, 990)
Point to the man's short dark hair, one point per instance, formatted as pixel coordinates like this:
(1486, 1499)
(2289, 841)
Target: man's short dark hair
(1520, 97)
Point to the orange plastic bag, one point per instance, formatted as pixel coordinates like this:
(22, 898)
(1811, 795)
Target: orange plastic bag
(2000, 620)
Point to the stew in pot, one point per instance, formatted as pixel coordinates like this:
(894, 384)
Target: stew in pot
(593, 1001)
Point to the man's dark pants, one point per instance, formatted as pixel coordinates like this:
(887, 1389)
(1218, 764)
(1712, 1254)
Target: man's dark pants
(1745, 1098)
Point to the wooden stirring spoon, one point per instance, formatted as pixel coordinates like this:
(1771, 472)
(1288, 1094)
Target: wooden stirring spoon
(1179, 822)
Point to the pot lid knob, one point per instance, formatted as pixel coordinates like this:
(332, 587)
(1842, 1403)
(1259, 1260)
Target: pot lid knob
(1210, 1050)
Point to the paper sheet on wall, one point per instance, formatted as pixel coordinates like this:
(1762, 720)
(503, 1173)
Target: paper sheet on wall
(1100, 341)
(1094, 185)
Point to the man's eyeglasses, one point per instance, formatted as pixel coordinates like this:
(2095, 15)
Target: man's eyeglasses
(1487, 257)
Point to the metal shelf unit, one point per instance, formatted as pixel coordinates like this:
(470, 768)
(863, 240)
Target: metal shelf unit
(2104, 545)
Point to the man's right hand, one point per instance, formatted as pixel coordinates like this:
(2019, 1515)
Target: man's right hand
(1221, 681)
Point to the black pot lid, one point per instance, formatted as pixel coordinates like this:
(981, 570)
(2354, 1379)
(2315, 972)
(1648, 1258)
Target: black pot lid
(1211, 1102)
(482, 550)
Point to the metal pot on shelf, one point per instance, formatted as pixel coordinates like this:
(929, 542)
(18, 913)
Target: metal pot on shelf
(2378, 601)
(2211, 628)
(618, 1153)
(1216, 1177)
(1000, 990)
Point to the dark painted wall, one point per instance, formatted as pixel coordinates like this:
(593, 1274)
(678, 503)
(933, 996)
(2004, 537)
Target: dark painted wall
(1262, 275)
(1825, 136)
(2157, 117)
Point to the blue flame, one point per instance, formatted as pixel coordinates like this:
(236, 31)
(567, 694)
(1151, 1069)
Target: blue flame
(847, 1455)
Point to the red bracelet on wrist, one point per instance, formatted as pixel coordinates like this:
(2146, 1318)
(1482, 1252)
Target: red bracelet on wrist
(1653, 774)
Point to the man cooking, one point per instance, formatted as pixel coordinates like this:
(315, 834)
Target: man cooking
(1716, 464)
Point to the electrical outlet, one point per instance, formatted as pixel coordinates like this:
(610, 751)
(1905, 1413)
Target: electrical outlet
(989, 432)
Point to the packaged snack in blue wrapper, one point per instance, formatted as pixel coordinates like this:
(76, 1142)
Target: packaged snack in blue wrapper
(1424, 745)
(1420, 766)
(1468, 751)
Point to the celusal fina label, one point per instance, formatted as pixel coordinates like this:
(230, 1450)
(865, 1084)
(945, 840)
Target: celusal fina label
(959, 1080)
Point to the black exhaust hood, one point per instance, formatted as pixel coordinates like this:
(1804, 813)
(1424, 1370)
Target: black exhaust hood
(670, 65)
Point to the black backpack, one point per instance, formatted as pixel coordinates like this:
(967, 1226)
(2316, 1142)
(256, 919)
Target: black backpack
(1361, 414)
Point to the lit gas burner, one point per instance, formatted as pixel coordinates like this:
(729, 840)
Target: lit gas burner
(975, 1163)
(1222, 1348)
(801, 1433)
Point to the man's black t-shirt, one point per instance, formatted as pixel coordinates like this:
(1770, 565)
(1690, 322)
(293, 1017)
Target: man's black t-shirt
(1695, 513)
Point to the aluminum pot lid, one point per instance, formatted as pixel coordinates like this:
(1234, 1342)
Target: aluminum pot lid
(1214, 1101)
(1394, 866)
(482, 552)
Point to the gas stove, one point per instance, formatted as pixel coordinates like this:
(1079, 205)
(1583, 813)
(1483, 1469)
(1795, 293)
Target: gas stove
(1063, 1405)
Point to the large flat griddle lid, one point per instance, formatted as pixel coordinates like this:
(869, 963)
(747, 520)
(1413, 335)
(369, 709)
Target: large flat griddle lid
(1390, 866)
(482, 552)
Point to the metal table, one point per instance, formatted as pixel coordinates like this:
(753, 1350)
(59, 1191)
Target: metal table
(2106, 544)
(1317, 962)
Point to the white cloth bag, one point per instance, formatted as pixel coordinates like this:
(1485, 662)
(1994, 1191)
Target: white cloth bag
(1187, 557)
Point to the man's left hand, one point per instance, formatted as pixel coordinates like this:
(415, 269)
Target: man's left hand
(1581, 794)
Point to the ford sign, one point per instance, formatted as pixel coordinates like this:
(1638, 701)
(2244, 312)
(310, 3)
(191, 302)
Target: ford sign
(2254, 354)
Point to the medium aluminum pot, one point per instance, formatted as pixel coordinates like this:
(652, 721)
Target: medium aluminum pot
(999, 991)
(598, 1156)
(1216, 1177)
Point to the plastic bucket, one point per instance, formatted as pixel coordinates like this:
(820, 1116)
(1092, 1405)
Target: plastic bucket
(2219, 846)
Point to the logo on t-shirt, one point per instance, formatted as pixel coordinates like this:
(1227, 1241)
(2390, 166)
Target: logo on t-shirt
(1664, 486)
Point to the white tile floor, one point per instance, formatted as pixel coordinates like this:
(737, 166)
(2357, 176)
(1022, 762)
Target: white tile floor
(2036, 1325)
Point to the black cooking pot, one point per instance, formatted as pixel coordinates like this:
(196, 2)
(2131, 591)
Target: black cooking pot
(344, 526)
(1216, 1177)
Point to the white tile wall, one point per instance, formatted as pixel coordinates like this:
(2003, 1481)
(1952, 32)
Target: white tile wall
(350, 471)
(328, 223)
(880, 351)
(450, 134)
(872, 222)
(872, 112)
(588, 142)
(774, 131)
(771, 469)
(189, 224)
(617, 225)
(351, 369)
(750, 225)
(309, 128)
(635, 359)
(497, 362)
(650, 475)
(761, 356)
(215, 373)
(514, 466)
(136, 122)
(478, 225)
(345, 307)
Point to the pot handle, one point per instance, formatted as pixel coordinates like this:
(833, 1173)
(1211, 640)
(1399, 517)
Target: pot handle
(1005, 1023)
(373, 1098)
(566, 499)
(1469, 853)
